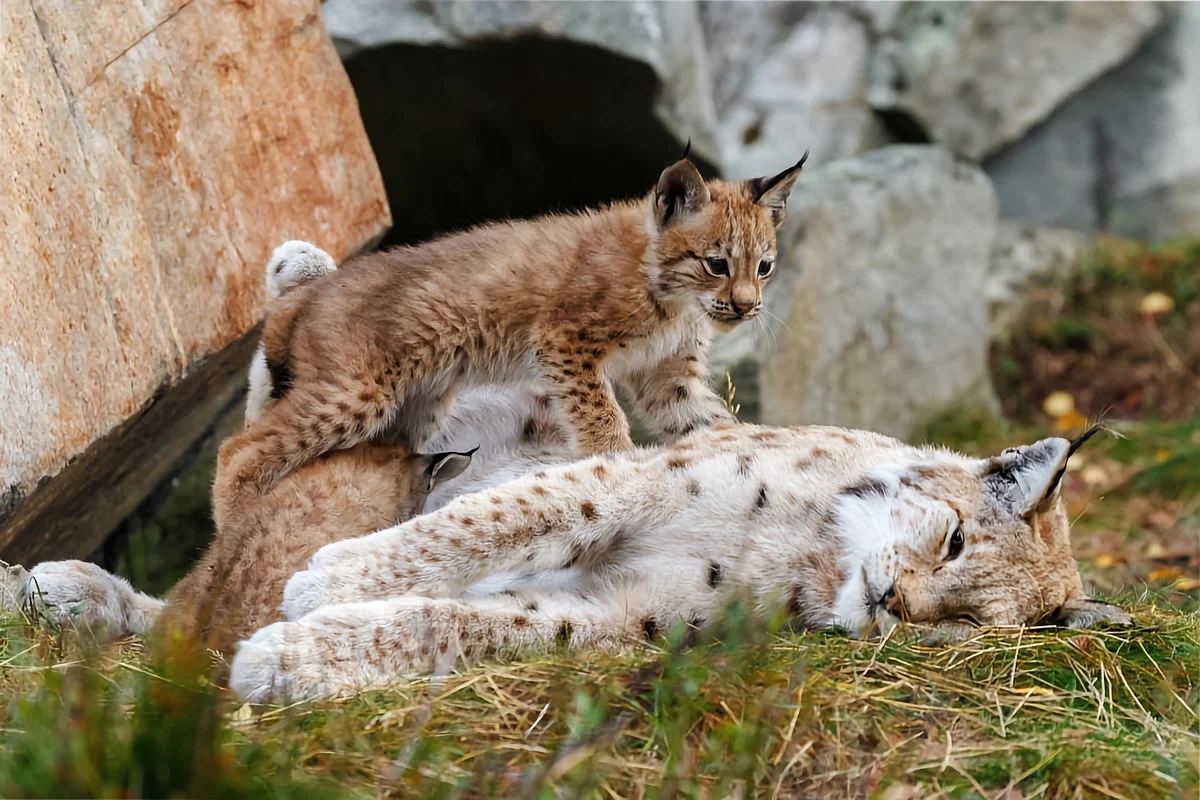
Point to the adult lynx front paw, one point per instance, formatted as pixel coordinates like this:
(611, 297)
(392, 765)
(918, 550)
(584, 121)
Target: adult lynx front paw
(278, 662)
(305, 592)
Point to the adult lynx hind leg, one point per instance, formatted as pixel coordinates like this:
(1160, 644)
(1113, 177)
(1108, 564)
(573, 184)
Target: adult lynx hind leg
(292, 264)
(341, 649)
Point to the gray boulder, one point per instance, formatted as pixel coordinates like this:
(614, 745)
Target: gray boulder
(1021, 255)
(1121, 155)
(879, 305)
(788, 77)
(666, 36)
(976, 76)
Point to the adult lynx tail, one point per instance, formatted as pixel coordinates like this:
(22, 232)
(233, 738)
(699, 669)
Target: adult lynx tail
(294, 264)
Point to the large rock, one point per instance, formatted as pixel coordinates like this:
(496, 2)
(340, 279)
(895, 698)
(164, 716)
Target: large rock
(1023, 255)
(789, 76)
(976, 76)
(880, 300)
(1121, 155)
(162, 150)
(665, 36)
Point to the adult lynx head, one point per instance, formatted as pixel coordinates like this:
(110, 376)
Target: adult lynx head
(975, 541)
(715, 241)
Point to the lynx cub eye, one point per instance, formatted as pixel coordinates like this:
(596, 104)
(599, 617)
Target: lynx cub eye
(956, 544)
(765, 268)
(717, 267)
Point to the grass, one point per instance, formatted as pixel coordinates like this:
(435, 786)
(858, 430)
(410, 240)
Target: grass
(752, 709)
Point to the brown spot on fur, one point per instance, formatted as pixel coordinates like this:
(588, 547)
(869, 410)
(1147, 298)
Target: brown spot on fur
(744, 462)
(588, 511)
(649, 627)
(521, 621)
(497, 516)
(716, 574)
(760, 502)
(538, 489)
(693, 487)
(676, 462)
(564, 632)
(600, 470)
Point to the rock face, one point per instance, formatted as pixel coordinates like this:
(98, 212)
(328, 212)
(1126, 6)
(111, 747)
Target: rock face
(1121, 155)
(976, 76)
(880, 295)
(666, 36)
(1022, 254)
(163, 149)
(787, 78)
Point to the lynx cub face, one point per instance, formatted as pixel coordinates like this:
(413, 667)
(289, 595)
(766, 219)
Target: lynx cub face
(715, 241)
(972, 542)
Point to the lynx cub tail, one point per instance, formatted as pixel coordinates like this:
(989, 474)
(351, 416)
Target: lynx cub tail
(292, 264)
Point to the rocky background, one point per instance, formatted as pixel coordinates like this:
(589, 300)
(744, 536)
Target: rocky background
(961, 153)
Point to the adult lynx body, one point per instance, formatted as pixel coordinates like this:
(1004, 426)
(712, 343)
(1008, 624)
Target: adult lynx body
(847, 528)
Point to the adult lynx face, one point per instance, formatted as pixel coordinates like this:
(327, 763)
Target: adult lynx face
(974, 543)
(716, 240)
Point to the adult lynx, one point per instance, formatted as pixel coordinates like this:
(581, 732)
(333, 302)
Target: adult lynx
(626, 295)
(845, 528)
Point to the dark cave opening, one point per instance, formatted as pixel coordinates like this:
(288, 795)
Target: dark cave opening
(507, 129)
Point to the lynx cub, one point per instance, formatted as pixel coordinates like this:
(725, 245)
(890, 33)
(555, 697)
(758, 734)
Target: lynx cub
(626, 295)
(847, 528)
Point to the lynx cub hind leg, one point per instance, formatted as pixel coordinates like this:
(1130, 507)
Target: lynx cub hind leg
(292, 264)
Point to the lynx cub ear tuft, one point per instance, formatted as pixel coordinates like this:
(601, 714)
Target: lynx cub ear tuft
(1017, 481)
(442, 467)
(681, 192)
(773, 192)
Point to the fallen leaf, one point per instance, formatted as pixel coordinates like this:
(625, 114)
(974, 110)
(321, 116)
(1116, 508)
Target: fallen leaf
(1156, 303)
(1105, 561)
(1058, 404)
(1161, 455)
(1186, 585)
(1156, 550)
(1070, 421)
(1095, 475)
(1164, 574)
(1040, 691)
(899, 791)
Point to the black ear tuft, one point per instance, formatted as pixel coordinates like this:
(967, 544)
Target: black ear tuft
(687, 150)
(773, 192)
(1076, 443)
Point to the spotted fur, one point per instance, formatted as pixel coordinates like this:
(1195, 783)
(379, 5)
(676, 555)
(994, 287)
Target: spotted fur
(844, 528)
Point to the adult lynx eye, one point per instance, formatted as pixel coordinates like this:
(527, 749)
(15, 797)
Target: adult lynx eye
(956, 545)
(765, 268)
(717, 267)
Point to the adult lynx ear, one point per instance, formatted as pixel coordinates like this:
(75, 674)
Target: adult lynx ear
(1016, 481)
(441, 467)
(680, 192)
(1023, 479)
(773, 192)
